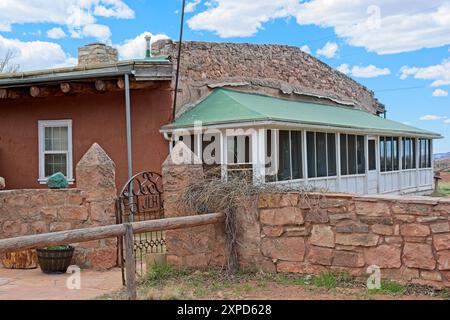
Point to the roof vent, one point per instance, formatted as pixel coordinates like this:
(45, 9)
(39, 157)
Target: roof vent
(97, 53)
(148, 47)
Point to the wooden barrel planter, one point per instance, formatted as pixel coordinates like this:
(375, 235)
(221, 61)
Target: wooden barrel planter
(25, 259)
(55, 259)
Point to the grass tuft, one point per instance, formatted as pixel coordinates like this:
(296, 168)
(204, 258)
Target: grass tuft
(325, 280)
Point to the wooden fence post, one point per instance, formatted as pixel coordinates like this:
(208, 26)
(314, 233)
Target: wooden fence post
(130, 267)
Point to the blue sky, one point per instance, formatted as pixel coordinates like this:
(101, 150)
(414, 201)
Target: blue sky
(401, 52)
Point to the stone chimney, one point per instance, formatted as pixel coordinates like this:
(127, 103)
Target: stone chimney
(97, 53)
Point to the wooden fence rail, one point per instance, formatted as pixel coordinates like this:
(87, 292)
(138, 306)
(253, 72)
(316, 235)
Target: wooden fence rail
(111, 231)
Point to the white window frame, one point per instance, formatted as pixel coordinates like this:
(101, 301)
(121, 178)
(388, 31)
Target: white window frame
(42, 124)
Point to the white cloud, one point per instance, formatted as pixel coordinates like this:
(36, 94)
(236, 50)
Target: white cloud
(56, 33)
(306, 49)
(191, 6)
(329, 50)
(34, 55)
(98, 31)
(447, 121)
(240, 18)
(135, 48)
(440, 73)
(384, 27)
(440, 93)
(344, 68)
(431, 117)
(78, 15)
(369, 71)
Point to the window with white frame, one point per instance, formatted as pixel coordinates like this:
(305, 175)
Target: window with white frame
(55, 149)
(352, 155)
(425, 153)
(321, 154)
(389, 151)
(408, 153)
(284, 155)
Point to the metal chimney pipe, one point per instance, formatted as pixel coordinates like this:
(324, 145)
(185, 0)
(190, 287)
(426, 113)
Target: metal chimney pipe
(148, 49)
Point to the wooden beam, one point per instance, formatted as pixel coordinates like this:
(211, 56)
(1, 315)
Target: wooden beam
(3, 93)
(12, 93)
(104, 232)
(42, 92)
(121, 84)
(100, 85)
(130, 266)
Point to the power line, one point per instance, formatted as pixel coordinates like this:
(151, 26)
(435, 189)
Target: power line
(178, 62)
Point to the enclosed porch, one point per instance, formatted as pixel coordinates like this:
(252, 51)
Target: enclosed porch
(332, 148)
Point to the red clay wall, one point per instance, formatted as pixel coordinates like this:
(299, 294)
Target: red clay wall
(95, 118)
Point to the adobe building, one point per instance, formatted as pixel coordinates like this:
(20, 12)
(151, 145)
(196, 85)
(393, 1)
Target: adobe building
(48, 119)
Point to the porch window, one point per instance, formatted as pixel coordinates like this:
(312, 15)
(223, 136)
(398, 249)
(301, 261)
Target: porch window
(239, 155)
(289, 156)
(55, 149)
(321, 154)
(409, 153)
(424, 153)
(352, 155)
(389, 159)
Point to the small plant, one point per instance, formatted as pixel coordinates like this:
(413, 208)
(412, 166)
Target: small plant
(326, 280)
(390, 287)
(58, 248)
(159, 273)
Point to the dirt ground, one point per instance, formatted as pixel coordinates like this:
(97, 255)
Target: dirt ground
(217, 285)
(35, 285)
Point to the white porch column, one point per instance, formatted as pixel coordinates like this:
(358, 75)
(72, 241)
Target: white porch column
(305, 157)
(223, 154)
(338, 162)
(258, 155)
(366, 164)
(400, 164)
(378, 162)
(417, 164)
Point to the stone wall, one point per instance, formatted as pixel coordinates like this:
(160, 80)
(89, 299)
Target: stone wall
(97, 53)
(27, 212)
(407, 237)
(200, 246)
(276, 70)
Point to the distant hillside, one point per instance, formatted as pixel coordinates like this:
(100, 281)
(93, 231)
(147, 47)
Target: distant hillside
(442, 156)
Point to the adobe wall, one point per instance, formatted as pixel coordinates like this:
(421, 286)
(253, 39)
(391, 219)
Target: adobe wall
(35, 211)
(276, 70)
(97, 117)
(407, 237)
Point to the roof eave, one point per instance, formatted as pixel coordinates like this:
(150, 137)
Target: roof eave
(141, 69)
(276, 122)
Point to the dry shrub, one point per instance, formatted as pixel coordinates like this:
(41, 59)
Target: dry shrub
(214, 195)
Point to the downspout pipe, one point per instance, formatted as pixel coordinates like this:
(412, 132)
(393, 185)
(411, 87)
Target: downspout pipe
(128, 126)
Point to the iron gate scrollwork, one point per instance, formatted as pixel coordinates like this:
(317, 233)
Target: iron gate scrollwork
(141, 199)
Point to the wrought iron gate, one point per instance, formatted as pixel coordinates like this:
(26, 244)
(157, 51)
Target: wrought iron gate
(141, 199)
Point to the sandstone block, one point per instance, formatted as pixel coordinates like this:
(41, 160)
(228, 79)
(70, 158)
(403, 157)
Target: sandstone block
(322, 236)
(414, 230)
(416, 255)
(441, 241)
(282, 216)
(272, 231)
(322, 256)
(383, 229)
(348, 259)
(440, 227)
(289, 249)
(384, 256)
(372, 208)
(357, 239)
(444, 260)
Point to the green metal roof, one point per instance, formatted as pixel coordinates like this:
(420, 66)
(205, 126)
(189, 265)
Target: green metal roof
(225, 106)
